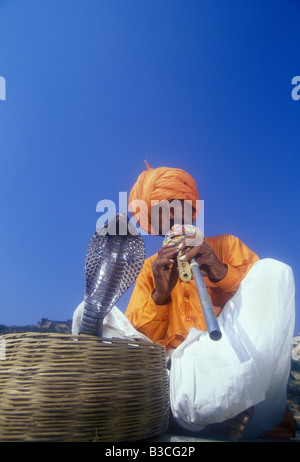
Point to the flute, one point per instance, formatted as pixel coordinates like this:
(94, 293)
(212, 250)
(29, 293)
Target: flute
(208, 311)
(187, 268)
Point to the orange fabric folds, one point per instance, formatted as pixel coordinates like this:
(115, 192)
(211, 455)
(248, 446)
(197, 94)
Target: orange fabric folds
(169, 324)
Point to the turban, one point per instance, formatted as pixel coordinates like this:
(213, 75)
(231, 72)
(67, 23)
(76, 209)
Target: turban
(161, 184)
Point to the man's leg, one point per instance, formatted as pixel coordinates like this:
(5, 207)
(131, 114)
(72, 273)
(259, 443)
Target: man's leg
(212, 382)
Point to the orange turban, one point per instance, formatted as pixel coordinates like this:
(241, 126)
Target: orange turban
(162, 184)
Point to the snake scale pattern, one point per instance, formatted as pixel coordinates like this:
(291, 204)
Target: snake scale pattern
(112, 264)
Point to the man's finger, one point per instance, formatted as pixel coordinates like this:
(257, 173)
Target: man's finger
(175, 266)
(190, 254)
(163, 262)
(168, 250)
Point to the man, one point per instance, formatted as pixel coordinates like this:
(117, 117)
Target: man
(215, 385)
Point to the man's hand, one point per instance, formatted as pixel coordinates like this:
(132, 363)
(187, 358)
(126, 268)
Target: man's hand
(207, 260)
(165, 272)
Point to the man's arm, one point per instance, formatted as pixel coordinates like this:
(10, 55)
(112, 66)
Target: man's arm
(146, 316)
(224, 261)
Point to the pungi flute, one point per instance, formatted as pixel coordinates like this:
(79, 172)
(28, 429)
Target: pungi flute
(208, 311)
(177, 233)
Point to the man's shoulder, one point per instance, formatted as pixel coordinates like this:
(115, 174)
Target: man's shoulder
(150, 260)
(224, 243)
(221, 238)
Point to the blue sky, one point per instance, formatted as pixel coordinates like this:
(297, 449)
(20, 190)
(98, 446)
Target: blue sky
(95, 87)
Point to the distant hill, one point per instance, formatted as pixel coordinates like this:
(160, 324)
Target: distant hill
(44, 325)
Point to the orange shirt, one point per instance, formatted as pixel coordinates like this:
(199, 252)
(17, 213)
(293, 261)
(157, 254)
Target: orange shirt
(169, 324)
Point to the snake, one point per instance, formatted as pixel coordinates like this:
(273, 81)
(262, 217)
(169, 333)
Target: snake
(113, 262)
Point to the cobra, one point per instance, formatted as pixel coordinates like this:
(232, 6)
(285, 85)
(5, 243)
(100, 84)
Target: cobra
(113, 262)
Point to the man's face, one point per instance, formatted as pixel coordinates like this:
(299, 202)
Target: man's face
(167, 213)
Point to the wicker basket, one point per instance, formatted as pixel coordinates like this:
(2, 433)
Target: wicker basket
(56, 387)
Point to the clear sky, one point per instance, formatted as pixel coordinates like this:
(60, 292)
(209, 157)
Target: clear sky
(95, 87)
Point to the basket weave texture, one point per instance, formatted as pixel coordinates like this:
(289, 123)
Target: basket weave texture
(56, 387)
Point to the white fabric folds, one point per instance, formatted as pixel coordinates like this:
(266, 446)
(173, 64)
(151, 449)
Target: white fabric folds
(115, 324)
(211, 382)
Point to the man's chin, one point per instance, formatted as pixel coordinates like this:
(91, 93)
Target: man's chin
(162, 230)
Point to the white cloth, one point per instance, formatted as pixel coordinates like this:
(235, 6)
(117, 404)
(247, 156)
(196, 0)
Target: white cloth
(211, 382)
(115, 324)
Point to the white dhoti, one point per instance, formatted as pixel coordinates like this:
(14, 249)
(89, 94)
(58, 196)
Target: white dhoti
(211, 382)
(115, 325)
